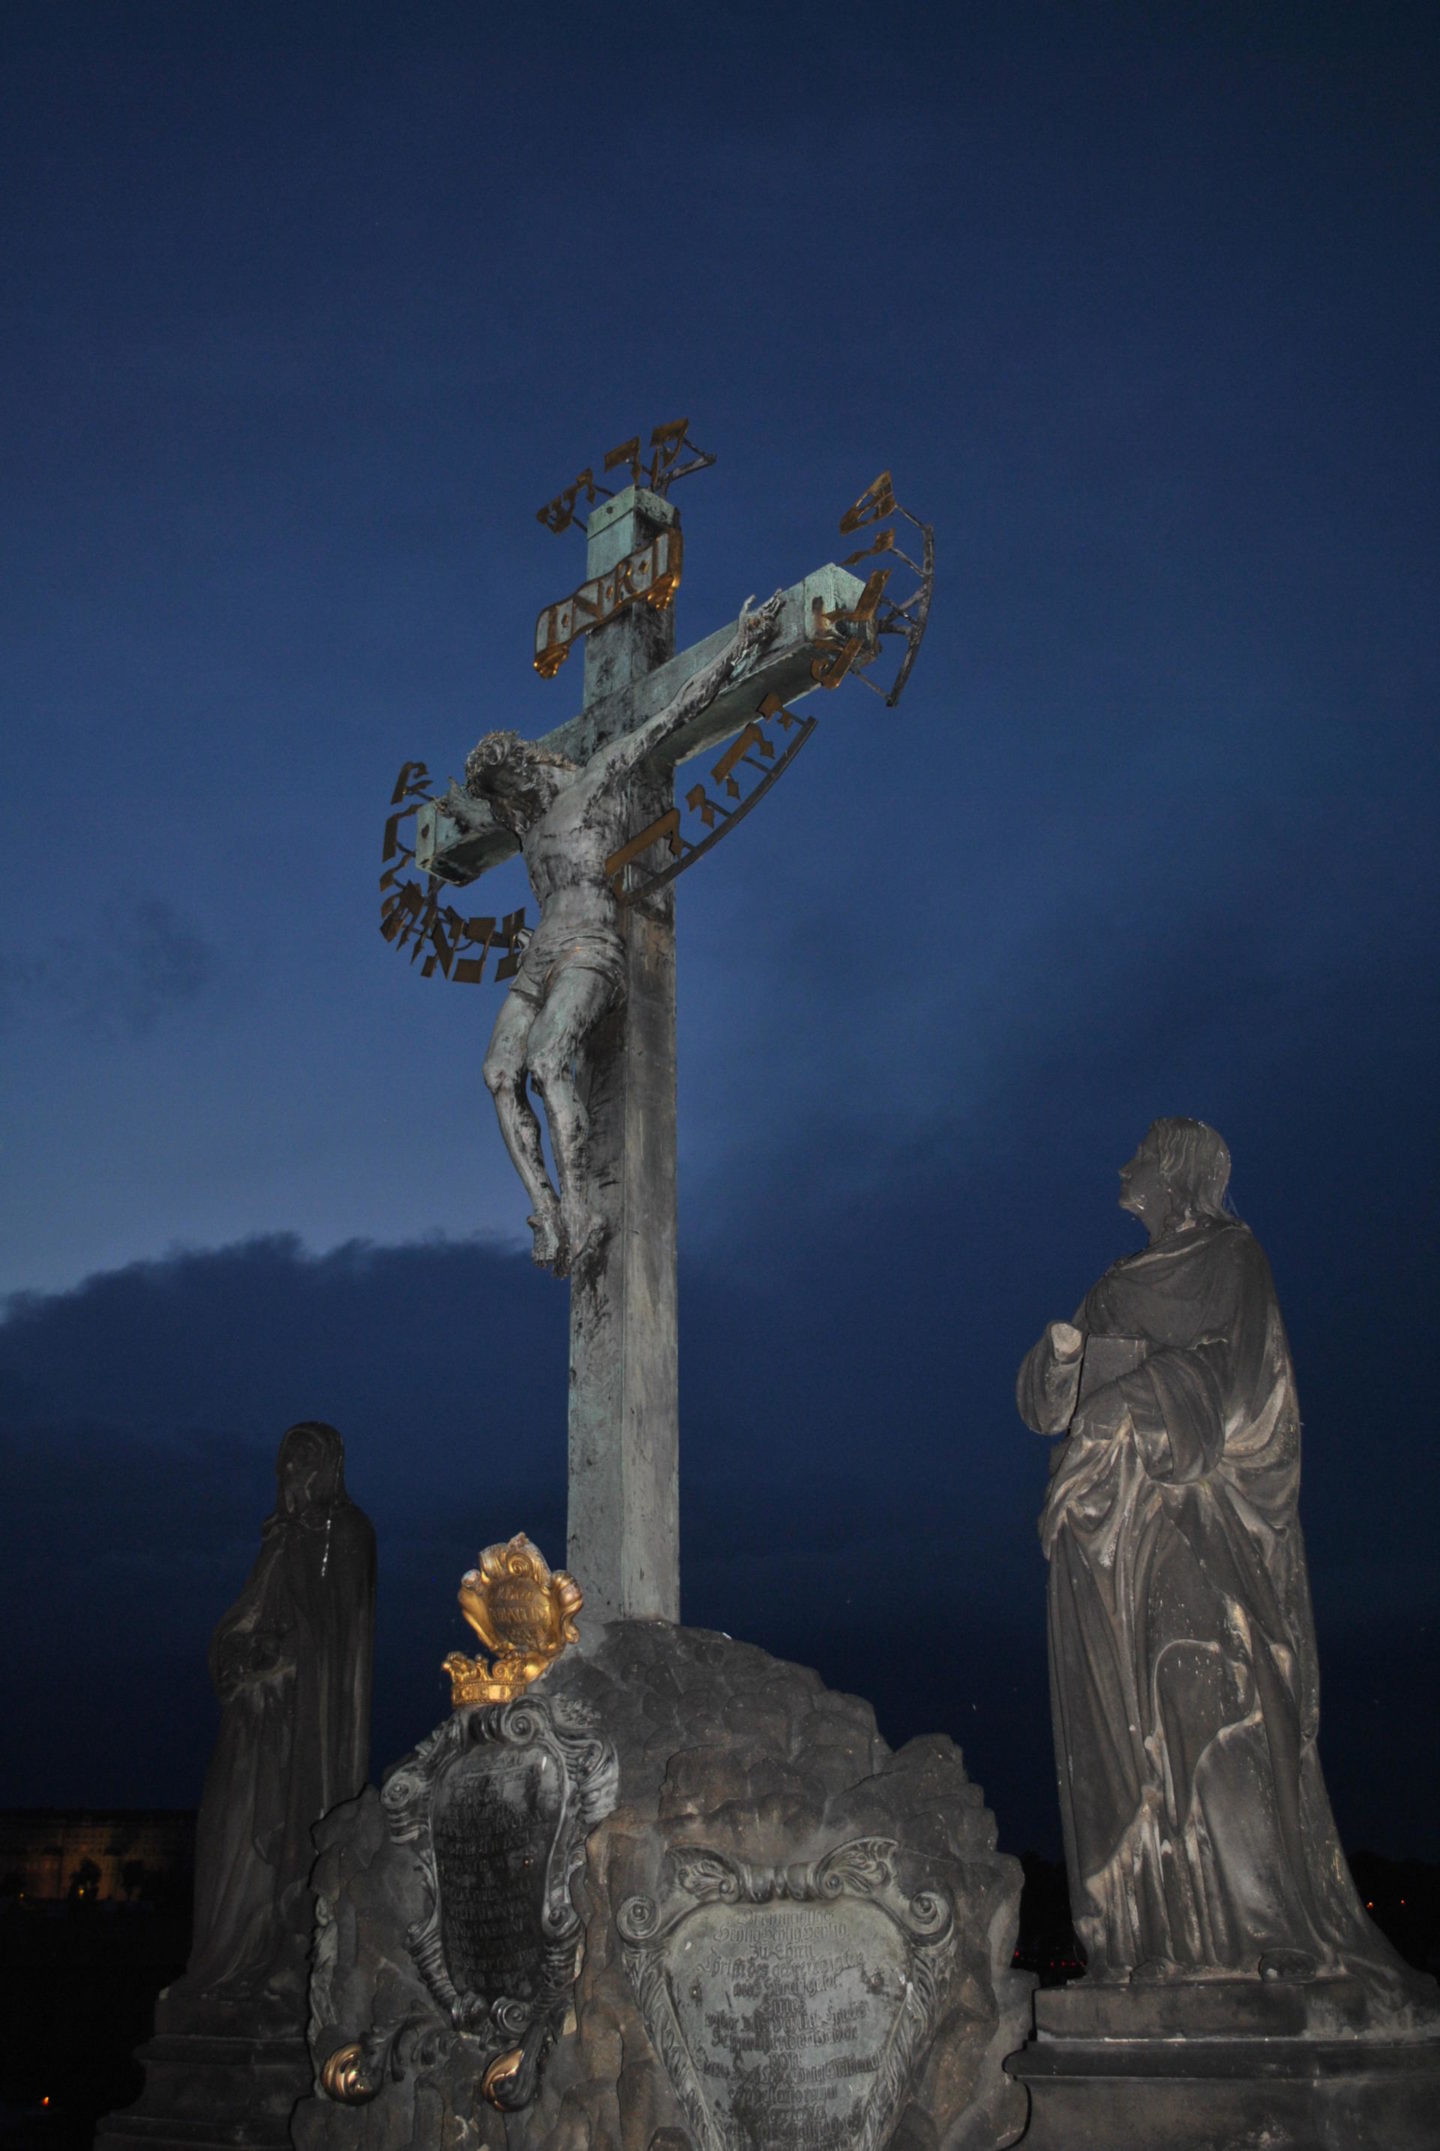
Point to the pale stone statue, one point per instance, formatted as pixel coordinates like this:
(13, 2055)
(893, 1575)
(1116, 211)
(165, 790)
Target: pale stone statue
(1184, 1682)
(291, 1666)
(569, 820)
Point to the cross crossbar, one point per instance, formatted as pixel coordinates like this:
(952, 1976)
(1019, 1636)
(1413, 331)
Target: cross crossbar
(458, 855)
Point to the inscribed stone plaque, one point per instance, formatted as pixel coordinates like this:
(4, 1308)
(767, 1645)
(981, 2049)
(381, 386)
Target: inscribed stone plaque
(790, 2005)
(494, 1820)
(787, 2010)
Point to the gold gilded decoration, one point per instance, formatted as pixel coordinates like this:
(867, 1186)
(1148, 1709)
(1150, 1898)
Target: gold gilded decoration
(750, 751)
(522, 1612)
(411, 915)
(559, 513)
(501, 2073)
(344, 2076)
(853, 632)
(875, 503)
(857, 630)
(652, 574)
(627, 455)
(667, 444)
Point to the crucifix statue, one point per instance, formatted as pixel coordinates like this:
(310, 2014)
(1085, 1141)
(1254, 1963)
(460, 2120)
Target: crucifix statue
(569, 822)
(589, 1021)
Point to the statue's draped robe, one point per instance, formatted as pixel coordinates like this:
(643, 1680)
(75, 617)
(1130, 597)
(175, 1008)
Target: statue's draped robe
(1184, 1683)
(294, 1739)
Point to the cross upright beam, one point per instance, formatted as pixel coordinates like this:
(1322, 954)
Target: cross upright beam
(623, 1534)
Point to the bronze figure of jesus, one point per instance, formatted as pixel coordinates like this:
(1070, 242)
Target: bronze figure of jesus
(569, 820)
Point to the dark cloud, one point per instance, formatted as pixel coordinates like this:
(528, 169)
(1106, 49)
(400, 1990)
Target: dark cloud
(162, 963)
(857, 1490)
(141, 1414)
(142, 962)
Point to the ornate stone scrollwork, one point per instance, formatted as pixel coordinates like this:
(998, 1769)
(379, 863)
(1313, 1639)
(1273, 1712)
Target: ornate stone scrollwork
(809, 1990)
(496, 1806)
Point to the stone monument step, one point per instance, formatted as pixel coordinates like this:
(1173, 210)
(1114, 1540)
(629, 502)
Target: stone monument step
(1231, 2008)
(209, 2092)
(142, 2130)
(1220, 2094)
(1213, 2059)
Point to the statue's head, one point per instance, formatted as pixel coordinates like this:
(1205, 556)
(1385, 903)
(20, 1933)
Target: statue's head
(1177, 1177)
(514, 775)
(310, 1467)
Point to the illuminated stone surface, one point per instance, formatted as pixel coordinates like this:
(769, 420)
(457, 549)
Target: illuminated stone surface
(860, 1984)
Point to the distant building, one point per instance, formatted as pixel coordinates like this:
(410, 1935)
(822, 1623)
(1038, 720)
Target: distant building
(55, 1855)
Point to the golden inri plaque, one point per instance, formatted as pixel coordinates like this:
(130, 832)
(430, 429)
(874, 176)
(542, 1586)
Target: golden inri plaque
(523, 1612)
(652, 574)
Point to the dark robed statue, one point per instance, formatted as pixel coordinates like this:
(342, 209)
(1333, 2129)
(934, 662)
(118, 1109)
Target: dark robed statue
(1184, 1684)
(291, 1666)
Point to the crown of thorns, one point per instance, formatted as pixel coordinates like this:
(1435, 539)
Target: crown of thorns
(497, 747)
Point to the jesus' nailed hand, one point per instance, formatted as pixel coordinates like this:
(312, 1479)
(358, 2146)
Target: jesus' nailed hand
(569, 819)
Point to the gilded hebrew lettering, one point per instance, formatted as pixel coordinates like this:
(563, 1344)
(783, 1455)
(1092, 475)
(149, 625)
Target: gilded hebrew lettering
(772, 706)
(666, 830)
(698, 800)
(905, 617)
(715, 817)
(884, 543)
(874, 504)
(558, 514)
(411, 917)
(478, 933)
(399, 911)
(857, 624)
(668, 443)
(739, 751)
(627, 453)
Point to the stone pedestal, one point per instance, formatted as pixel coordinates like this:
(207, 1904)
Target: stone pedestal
(1226, 2065)
(206, 2091)
(783, 1933)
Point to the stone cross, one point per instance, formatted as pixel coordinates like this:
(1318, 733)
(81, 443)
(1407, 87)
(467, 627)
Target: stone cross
(623, 1533)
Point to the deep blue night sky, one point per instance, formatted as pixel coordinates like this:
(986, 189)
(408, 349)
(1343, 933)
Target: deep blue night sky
(306, 309)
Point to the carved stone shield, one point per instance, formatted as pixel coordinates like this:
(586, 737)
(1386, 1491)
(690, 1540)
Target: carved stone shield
(497, 1805)
(790, 2005)
(493, 1820)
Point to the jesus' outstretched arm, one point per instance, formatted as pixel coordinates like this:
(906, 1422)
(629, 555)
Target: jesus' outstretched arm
(755, 631)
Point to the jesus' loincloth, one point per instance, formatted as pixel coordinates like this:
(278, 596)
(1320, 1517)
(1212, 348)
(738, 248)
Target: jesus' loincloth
(557, 946)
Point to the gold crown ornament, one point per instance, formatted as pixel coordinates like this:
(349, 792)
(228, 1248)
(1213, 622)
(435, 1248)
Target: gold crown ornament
(523, 1612)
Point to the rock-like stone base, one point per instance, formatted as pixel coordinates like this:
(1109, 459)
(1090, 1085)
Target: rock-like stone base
(1224, 2065)
(208, 2092)
(746, 1790)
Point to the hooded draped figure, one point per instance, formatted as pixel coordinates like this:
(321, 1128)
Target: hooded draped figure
(291, 1665)
(1184, 1682)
